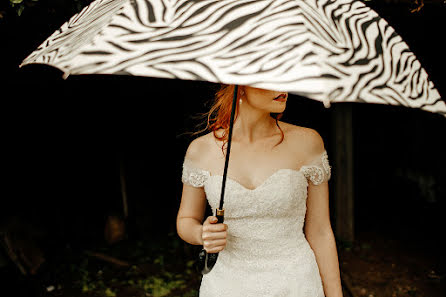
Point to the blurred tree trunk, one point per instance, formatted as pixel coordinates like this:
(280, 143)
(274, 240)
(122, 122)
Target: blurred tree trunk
(342, 130)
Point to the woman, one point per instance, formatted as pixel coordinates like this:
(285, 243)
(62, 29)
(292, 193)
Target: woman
(277, 239)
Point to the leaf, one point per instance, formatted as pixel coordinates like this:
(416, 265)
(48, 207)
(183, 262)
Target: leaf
(20, 9)
(109, 293)
(168, 274)
(85, 288)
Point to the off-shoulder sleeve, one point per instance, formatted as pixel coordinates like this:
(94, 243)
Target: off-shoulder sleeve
(193, 176)
(319, 170)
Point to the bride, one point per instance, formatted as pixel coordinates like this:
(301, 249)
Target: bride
(277, 238)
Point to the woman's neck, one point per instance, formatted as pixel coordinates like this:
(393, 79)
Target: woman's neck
(252, 126)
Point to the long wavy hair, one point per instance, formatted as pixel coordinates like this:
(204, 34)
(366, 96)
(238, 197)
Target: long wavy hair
(219, 115)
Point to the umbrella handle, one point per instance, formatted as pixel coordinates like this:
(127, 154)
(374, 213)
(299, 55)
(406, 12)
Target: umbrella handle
(206, 261)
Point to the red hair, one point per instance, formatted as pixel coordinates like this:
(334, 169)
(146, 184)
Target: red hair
(219, 115)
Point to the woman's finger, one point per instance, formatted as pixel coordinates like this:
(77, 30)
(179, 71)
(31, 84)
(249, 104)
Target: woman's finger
(210, 248)
(218, 243)
(218, 235)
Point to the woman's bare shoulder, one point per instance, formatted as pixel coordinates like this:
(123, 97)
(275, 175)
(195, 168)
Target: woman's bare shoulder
(200, 147)
(306, 139)
(299, 133)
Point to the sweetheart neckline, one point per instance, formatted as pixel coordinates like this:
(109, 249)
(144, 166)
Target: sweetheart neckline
(323, 157)
(265, 181)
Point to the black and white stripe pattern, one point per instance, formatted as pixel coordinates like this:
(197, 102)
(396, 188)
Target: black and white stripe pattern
(328, 50)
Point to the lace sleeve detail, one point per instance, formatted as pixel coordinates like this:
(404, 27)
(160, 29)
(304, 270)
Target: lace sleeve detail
(193, 176)
(319, 170)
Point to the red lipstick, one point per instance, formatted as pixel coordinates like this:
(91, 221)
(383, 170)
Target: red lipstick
(281, 98)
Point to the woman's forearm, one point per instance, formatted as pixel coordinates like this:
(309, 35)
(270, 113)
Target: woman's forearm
(324, 247)
(190, 230)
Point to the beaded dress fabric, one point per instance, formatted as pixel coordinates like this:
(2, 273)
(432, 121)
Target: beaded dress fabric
(266, 252)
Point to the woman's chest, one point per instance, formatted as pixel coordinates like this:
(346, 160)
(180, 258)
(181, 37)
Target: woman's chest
(251, 168)
(282, 193)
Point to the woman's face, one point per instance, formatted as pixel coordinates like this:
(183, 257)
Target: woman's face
(266, 100)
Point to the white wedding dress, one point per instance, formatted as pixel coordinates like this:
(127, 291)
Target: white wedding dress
(266, 252)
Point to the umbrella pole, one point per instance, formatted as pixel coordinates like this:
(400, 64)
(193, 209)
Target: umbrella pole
(220, 211)
(208, 260)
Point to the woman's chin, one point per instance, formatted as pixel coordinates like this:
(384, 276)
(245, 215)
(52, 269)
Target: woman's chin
(279, 109)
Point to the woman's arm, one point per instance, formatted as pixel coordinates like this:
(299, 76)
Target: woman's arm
(320, 236)
(193, 201)
(319, 233)
(190, 215)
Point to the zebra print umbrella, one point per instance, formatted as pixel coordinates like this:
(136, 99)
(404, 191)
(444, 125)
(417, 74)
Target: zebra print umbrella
(327, 50)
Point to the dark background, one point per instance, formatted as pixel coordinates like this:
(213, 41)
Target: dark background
(63, 141)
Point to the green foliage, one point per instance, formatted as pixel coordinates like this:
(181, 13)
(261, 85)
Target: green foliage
(158, 286)
(157, 268)
(19, 5)
(109, 293)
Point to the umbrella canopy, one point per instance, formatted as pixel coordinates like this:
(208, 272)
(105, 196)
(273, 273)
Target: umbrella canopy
(327, 50)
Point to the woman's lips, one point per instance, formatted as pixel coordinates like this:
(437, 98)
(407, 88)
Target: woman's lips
(281, 98)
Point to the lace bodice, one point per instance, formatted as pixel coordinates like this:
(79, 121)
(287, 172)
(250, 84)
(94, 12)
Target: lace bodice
(317, 171)
(266, 253)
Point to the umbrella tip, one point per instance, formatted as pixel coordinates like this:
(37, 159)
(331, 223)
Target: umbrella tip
(326, 102)
(65, 75)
